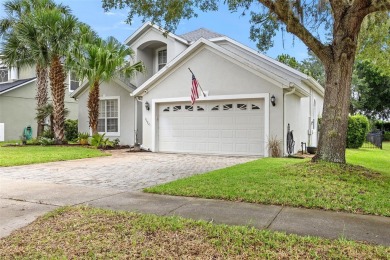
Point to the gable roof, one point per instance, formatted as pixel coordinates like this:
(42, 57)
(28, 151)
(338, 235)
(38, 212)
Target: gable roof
(84, 86)
(5, 87)
(200, 33)
(147, 26)
(282, 76)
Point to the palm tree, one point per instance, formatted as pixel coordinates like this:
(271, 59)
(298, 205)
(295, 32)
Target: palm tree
(34, 52)
(56, 31)
(100, 61)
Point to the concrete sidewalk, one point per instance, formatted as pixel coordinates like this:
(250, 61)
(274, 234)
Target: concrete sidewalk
(22, 201)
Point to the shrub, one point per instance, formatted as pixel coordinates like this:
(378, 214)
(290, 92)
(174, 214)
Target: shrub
(48, 134)
(82, 138)
(358, 127)
(116, 142)
(386, 136)
(33, 141)
(71, 130)
(46, 141)
(274, 146)
(99, 141)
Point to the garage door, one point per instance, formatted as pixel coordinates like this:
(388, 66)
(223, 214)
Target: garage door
(223, 127)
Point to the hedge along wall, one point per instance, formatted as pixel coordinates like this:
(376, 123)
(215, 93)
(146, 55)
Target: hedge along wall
(358, 127)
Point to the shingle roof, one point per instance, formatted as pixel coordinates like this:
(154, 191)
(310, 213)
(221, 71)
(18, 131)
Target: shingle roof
(13, 84)
(200, 33)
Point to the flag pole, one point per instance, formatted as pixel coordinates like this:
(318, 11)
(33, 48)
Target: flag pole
(204, 95)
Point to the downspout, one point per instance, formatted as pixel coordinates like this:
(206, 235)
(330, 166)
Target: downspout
(137, 99)
(292, 91)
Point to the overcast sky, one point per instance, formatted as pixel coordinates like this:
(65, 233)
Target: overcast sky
(230, 24)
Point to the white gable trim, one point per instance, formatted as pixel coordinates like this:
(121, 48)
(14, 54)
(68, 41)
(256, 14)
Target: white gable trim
(171, 66)
(264, 96)
(276, 64)
(18, 86)
(145, 27)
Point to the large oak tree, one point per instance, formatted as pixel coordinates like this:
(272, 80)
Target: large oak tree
(308, 20)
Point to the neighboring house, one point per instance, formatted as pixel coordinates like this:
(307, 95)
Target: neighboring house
(235, 117)
(17, 102)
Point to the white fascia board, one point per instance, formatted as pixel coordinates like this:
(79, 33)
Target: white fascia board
(145, 27)
(78, 91)
(315, 85)
(216, 49)
(18, 86)
(262, 56)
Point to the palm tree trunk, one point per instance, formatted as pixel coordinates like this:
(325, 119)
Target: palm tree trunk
(57, 86)
(93, 107)
(42, 95)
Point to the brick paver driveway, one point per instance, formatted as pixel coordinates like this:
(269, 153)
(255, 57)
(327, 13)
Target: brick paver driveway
(123, 170)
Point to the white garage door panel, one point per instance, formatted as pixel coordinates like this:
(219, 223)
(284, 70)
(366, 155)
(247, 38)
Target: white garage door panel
(223, 127)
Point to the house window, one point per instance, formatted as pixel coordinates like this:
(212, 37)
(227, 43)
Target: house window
(241, 106)
(227, 106)
(3, 74)
(74, 82)
(255, 107)
(109, 116)
(176, 108)
(199, 108)
(161, 58)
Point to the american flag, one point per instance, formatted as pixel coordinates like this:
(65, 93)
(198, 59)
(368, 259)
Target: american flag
(194, 89)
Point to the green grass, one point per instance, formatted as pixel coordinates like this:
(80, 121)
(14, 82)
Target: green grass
(375, 159)
(298, 183)
(22, 155)
(89, 233)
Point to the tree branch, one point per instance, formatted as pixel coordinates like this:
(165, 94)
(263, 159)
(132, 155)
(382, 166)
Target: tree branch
(371, 6)
(286, 15)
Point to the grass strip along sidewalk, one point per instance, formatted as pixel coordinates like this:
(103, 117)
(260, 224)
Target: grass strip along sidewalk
(291, 182)
(88, 233)
(23, 155)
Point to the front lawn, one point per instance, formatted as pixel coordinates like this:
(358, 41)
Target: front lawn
(21, 155)
(298, 183)
(89, 233)
(375, 159)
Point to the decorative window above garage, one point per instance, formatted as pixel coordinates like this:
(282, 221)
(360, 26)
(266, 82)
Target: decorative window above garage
(241, 106)
(255, 107)
(176, 108)
(189, 108)
(215, 108)
(227, 106)
(200, 108)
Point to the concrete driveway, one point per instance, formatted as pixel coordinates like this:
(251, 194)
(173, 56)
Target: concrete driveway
(123, 170)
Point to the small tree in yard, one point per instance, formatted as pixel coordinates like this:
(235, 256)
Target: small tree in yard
(342, 21)
(358, 127)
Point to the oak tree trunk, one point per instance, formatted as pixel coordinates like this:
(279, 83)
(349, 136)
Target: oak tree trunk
(41, 96)
(57, 78)
(338, 68)
(93, 107)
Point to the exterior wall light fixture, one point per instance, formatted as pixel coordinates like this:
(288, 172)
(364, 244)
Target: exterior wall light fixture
(147, 105)
(273, 99)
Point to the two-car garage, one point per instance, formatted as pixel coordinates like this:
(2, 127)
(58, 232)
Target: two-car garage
(233, 127)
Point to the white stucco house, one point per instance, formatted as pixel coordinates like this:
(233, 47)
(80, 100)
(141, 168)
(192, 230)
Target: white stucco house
(236, 115)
